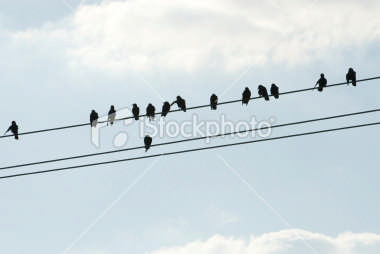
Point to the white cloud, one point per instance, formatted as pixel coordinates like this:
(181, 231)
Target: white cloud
(183, 35)
(286, 241)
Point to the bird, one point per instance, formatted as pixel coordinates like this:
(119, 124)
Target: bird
(263, 92)
(246, 96)
(14, 129)
(274, 91)
(165, 108)
(213, 101)
(147, 142)
(351, 76)
(322, 82)
(111, 115)
(135, 111)
(181, 103)
(94, 118)
(150, 111)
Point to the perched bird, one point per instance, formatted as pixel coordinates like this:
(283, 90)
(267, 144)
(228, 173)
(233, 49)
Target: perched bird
(135, 111)
(263, 92)
(274, 91)
(351, 76)
(147, 142)
(213, 101)
(94, 118)
(150, 111)
(181, 103)
(14, 129)
(246, 96)
(322, 82)
(165, 108)
(111, 115)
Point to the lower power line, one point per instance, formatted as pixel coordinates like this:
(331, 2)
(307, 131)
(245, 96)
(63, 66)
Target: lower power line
(188, 151)
(191, 139)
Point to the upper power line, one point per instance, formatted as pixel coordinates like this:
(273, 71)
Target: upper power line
(192, 139)
(14, 127)
(188, 150)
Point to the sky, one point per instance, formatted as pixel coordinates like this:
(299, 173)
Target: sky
(315, 194)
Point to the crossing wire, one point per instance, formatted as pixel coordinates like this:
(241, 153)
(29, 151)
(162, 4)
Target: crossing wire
(191, 139)
(176, 110)
(186, 151)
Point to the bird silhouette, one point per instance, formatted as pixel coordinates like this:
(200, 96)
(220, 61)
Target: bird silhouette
(322, 82)
(111, 115)
(274, 90)
(94, 118)
(150, 111)
(351, 76)
(213, 101)
(147, 142)
(263, 92)
(181, 103)
(14, 129)
(136, 111)
(165, 108)
(246, 96)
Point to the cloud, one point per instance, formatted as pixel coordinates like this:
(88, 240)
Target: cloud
(188, 36)
(286, 241)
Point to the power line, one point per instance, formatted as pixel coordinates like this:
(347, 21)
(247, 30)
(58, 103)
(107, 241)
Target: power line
(176, 110)
(187, 151)
(191, 139)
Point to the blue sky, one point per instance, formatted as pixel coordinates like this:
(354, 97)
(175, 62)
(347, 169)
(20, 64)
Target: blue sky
(316, 194)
